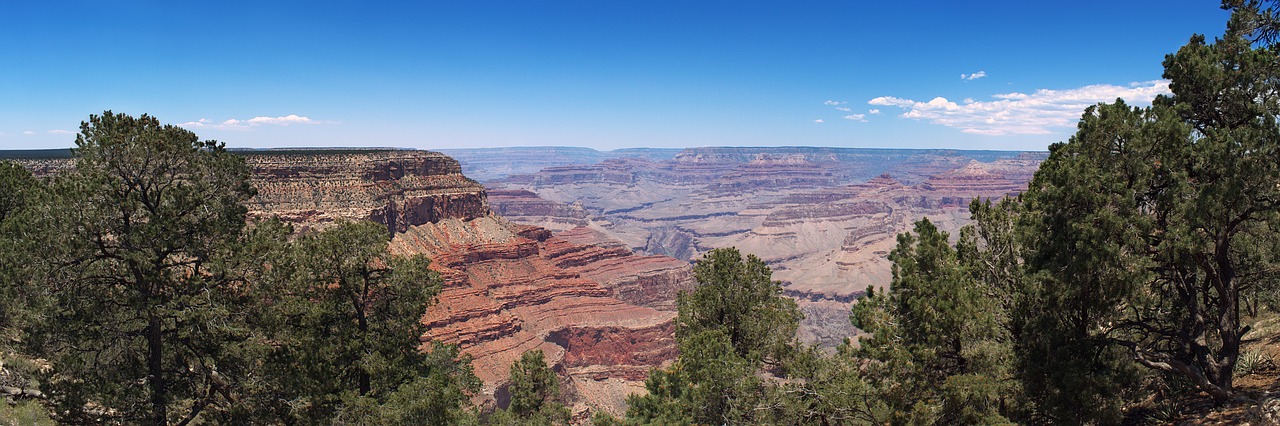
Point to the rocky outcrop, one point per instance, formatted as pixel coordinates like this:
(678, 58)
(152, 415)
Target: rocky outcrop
(511, 288)
(527, 208)
(400, 188)
(651, 281)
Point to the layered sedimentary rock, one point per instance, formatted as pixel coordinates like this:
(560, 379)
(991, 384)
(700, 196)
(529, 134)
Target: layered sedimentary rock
(602, 315)
(487, 164)
(512, 288)
(400, 188)
(823, 218)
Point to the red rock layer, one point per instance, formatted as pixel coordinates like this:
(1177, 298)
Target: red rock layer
(526, 207)
(595, 346)
(509, 287)
(769, 172)
(651, 281)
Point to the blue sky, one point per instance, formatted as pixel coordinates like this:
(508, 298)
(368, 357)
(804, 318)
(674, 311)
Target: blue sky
(600, 74)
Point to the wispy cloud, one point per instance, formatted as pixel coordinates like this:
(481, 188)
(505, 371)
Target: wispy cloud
(873, 111)
(28, 132)
(834, 103)
(60, 132)
(819, 121)
(1022, 113)
(237, 124)
(973, 76)
(856, 117)
(845, 109)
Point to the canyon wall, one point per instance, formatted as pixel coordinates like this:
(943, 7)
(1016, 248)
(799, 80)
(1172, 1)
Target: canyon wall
(602, 314)
(823, 218)
(399, 188)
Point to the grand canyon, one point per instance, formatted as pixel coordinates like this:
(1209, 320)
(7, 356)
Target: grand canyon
(582, 257)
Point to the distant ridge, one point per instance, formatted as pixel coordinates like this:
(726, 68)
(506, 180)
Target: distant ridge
(34, 154)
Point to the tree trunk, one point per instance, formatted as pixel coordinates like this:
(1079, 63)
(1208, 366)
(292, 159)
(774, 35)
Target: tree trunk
(155, 372)
(364, 373)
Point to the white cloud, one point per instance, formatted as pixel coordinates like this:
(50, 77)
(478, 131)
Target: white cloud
(834, 103)
(1023, 113)
(283, 121)
(28, 132)
(856, 117)
(845, 109)
(237, 124)
(60, 132)
(873, 111)
(973, 76)
(819, 121)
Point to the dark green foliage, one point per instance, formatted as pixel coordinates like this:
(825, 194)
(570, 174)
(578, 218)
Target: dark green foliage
(140, 320)
(739, 297)
(1257, 19)
(709, 384)
(533, 385)
(1085, 248)
(1151, 226)
(733, 323)
(345, 318)
(535, 394)
(157, 305)
(821, 389)
(939, 351)
(18, 238)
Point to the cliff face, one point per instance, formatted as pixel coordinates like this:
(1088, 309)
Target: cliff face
(823, 218)
(599, 313)
(398, 188)
(508, 288)
(603, 315)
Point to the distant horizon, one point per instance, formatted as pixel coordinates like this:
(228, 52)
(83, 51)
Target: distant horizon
(28, 153)
(605, 75)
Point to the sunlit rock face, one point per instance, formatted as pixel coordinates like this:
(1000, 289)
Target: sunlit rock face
(602, 314)
(399, 188)
(823, 218)
(508, 288)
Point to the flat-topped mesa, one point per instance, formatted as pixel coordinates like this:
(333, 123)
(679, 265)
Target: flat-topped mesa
(973, 180)
(398, 188)
(770, 172)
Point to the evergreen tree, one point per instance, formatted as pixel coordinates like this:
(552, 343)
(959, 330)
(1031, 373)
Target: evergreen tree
(938, 348)
(347, 319)
(535, 394)
(739, 297)
(730, 326)
(140, 324)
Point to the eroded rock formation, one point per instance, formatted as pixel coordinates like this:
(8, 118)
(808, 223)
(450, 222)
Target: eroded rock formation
(603, 315)
(399, 188)
(511, 288)
(823, 218)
